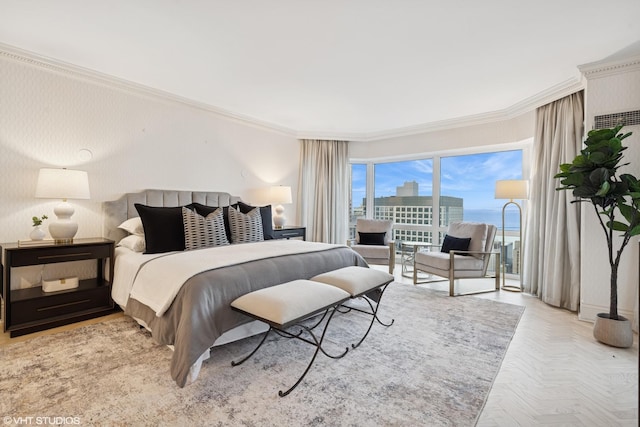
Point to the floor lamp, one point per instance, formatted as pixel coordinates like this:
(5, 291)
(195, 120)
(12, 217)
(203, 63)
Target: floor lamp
(512, 189)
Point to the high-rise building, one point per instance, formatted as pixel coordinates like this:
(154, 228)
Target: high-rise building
(409, 212)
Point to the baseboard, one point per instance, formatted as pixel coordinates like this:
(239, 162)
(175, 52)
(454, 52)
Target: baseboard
(588, 312)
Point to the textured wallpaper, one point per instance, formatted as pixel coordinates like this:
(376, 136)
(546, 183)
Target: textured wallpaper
(137, 142)
(49, 118)
(608, 93)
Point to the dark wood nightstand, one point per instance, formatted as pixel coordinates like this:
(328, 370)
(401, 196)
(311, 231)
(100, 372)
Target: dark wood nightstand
(289, 231)
(31, 309)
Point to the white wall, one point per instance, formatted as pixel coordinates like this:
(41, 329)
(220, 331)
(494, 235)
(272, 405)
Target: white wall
(139, 140)
(612, 87)
(482, 135)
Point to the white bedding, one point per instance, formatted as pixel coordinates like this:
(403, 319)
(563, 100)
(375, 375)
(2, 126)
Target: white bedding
(157, 287)
(126, 267)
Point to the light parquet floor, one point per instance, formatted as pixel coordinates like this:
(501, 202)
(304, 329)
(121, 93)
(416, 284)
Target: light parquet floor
(554, 372)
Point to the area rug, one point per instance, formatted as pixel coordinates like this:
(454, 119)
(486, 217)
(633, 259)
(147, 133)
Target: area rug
(434, 366)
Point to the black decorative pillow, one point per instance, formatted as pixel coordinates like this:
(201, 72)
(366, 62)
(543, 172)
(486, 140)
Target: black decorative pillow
(372, 238)
(267, 220)
(455, 244)
(163, 229)
(206, 210)
(245, 228)
(203, 232)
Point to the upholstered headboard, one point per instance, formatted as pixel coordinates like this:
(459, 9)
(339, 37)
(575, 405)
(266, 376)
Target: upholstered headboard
(117, 211)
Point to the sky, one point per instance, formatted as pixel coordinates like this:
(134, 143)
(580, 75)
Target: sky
(471, 177)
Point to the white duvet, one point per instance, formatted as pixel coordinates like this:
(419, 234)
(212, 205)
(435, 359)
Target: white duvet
(159, 277)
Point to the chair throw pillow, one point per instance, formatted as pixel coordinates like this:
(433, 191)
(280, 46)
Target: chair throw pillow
(372, 238)
(455, 244)
(245, 228)
(203, 232)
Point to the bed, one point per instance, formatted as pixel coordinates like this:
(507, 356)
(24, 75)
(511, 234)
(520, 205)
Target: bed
(183, 297)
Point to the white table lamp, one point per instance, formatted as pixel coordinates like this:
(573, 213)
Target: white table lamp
(280, 195)
(63, 184)
(512, 189)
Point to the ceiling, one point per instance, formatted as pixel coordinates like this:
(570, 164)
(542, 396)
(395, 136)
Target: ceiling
(342, 68)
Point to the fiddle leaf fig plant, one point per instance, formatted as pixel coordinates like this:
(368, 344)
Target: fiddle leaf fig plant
(593, 177)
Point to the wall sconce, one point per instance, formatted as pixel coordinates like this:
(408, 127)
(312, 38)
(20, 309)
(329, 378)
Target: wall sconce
(512, 189)
(280, 195)
(63, 184)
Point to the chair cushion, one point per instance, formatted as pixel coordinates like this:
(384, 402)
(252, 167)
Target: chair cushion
(355, 280)
(441, 261)
(475, 230)
(455, 244)
(372, 238)
(372, 251)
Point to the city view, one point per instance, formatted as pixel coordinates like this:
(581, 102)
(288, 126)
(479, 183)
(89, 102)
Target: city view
(404, 192)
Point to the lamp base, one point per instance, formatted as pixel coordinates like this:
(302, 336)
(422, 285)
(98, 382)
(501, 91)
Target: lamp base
(279, 219)
(63, 229)
(511, 288)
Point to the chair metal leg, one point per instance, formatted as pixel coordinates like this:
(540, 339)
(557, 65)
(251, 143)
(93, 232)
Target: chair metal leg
(452, 292)
(497, 271)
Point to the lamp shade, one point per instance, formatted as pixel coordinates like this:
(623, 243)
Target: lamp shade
(62, 184)
(512, 189)
(281, 194)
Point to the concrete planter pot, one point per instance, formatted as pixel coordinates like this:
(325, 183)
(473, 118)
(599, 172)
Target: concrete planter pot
(616, 333)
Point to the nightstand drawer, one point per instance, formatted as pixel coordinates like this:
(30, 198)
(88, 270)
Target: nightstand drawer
(62, 303)
(289, 232)
(62, 254)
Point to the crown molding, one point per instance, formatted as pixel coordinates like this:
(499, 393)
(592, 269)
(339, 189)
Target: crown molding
(604, 68)
(91, 76)
(554, 93)
(80, 73)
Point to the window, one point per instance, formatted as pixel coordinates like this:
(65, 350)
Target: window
(402, 192)
(471, 180)
(423, 196)
(358, 199)
(467, 184)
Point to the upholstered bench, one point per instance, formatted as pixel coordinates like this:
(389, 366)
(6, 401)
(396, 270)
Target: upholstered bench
(288, 304)
(360, 282)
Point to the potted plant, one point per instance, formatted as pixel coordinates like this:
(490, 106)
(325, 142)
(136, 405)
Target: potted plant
(593, 177)
(37, 233)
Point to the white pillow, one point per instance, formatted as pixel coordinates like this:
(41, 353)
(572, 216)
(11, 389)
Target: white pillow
(133, 242)
(133, 226)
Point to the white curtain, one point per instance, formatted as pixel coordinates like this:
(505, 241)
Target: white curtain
(323, 190)
(552, 249)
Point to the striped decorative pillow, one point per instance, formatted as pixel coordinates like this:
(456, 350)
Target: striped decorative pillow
(247, 227)
(203, 232)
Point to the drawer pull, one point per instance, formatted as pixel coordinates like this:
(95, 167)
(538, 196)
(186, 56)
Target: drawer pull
(64, 256)
(52, 307)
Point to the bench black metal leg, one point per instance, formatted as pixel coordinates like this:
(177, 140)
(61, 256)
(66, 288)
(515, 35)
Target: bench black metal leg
(373, 314)
(241, 361)
(318, 345)
(315, 342)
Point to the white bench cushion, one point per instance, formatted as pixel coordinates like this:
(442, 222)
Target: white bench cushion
(355, 280)
(289, 301)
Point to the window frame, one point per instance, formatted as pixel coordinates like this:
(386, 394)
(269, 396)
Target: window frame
(436, 228)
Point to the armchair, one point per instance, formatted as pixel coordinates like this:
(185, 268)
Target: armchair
(374, 242)
(465, 254)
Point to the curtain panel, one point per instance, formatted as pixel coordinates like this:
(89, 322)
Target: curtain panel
(552, 248)
(323, 190)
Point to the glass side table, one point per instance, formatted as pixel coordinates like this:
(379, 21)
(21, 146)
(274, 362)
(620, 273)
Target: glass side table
(407, 249)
